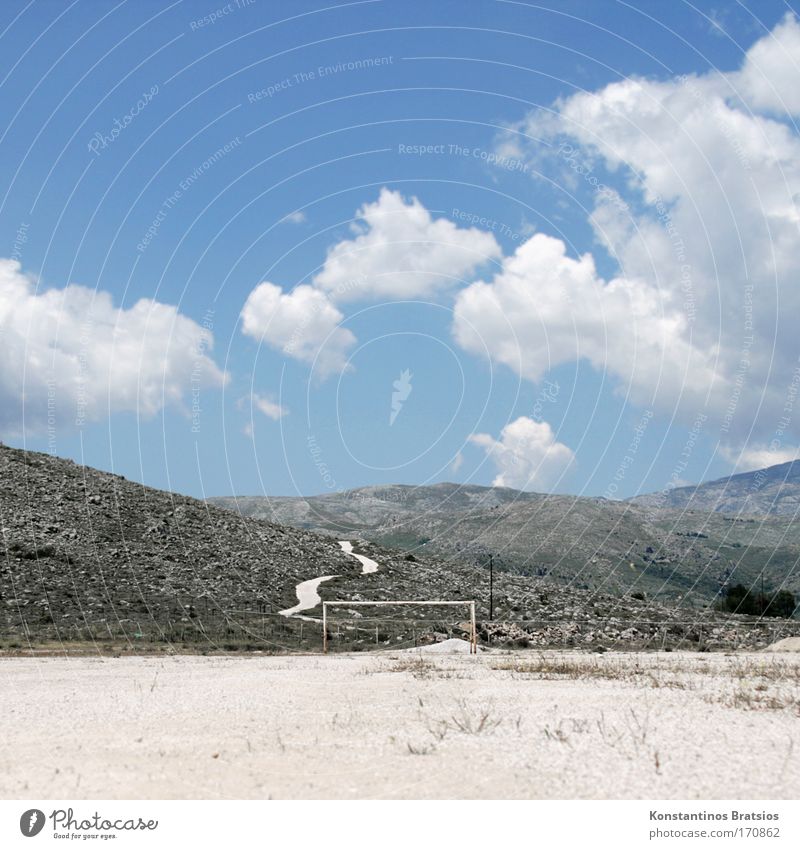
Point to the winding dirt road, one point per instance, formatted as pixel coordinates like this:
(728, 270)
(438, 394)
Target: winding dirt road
(307, 591)
(367, 566)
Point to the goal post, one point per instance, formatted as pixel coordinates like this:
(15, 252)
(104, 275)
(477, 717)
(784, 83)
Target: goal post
(473, 630)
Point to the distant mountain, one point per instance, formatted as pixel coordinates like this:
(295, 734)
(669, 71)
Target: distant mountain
(91, 560)
(372, 506)
(774, 491)
(587, 543)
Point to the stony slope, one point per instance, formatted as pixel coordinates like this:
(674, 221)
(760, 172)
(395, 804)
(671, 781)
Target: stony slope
(92, 557)
(91, 554)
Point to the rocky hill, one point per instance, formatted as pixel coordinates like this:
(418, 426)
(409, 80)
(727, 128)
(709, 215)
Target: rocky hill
(93, 560)
(90, 555)
(773, 491)
(586, 543)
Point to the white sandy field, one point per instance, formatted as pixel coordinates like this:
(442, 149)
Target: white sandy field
(402, 725)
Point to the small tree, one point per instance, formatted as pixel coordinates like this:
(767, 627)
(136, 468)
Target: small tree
(738, 599)
(782, 604)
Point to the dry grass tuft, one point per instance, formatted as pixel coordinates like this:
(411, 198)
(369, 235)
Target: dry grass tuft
(741, 683)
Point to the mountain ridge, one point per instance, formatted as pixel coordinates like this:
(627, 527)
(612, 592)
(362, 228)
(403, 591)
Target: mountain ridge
(773, 490)
(93, 560)
(590, 542)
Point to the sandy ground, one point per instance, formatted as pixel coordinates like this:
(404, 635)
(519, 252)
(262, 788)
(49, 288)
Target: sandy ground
(403, 725)
(787, 644)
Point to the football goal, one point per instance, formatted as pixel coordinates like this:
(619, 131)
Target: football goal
(469, 605)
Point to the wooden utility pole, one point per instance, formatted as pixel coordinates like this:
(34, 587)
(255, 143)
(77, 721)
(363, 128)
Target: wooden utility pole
(491, 587)
(473, 635)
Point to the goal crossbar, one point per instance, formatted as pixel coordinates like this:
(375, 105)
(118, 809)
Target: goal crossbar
(473, 630)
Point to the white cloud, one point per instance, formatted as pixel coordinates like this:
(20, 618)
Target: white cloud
(296, 217)
(700, 313)
(527, 455)
(70, 355)
(706, 250)
(400, 251)
(768, 79)
(265, 405)
(271, 409)
(458, 462)
(303, 324)
(545, 308)
(754, 457)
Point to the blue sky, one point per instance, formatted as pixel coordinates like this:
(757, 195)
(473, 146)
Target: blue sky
(568, 227)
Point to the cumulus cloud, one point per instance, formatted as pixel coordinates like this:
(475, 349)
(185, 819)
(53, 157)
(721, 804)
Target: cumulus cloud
(527, 455)
(768, 79)
(401, 251)
(759, 457)
(694, 183)
(545, 308)
(265, 405)
(705, 246)
(303, 324)
(70, 356)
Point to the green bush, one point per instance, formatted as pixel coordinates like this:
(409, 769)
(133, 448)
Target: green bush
(782, 604)
(739, 599)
